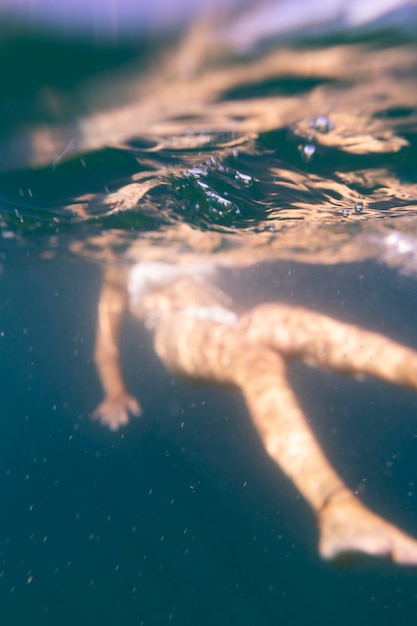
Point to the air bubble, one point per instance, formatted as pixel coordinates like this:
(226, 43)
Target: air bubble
(308, 151)
(322, 124)
(345, 212)
(197, 172)
(243, 178)
(358, 207)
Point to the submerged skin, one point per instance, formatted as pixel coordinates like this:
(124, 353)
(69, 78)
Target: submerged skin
(198, 336)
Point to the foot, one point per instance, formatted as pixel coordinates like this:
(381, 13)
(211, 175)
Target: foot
(348, 527)
(114, 412)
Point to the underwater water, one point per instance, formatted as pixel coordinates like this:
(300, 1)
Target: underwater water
(300, 151)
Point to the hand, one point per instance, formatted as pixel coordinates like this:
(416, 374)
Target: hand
(114, 411)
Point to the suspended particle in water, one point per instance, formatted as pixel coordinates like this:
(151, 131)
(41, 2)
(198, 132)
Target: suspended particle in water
(8, 234)
(18, 215)
(358, 207)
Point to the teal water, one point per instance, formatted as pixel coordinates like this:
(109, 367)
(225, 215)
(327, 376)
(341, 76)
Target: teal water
(181, 518)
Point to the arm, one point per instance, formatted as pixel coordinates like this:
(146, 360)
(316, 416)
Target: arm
(117, 404)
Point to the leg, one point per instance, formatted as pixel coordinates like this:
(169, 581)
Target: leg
(345, 524)
(213, 352)
(325, 342)
(114, 410)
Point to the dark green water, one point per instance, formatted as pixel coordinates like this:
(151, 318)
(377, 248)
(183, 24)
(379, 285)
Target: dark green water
(181, 518)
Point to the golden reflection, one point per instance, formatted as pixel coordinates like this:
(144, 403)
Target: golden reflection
(215, 108)
(157, 103)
